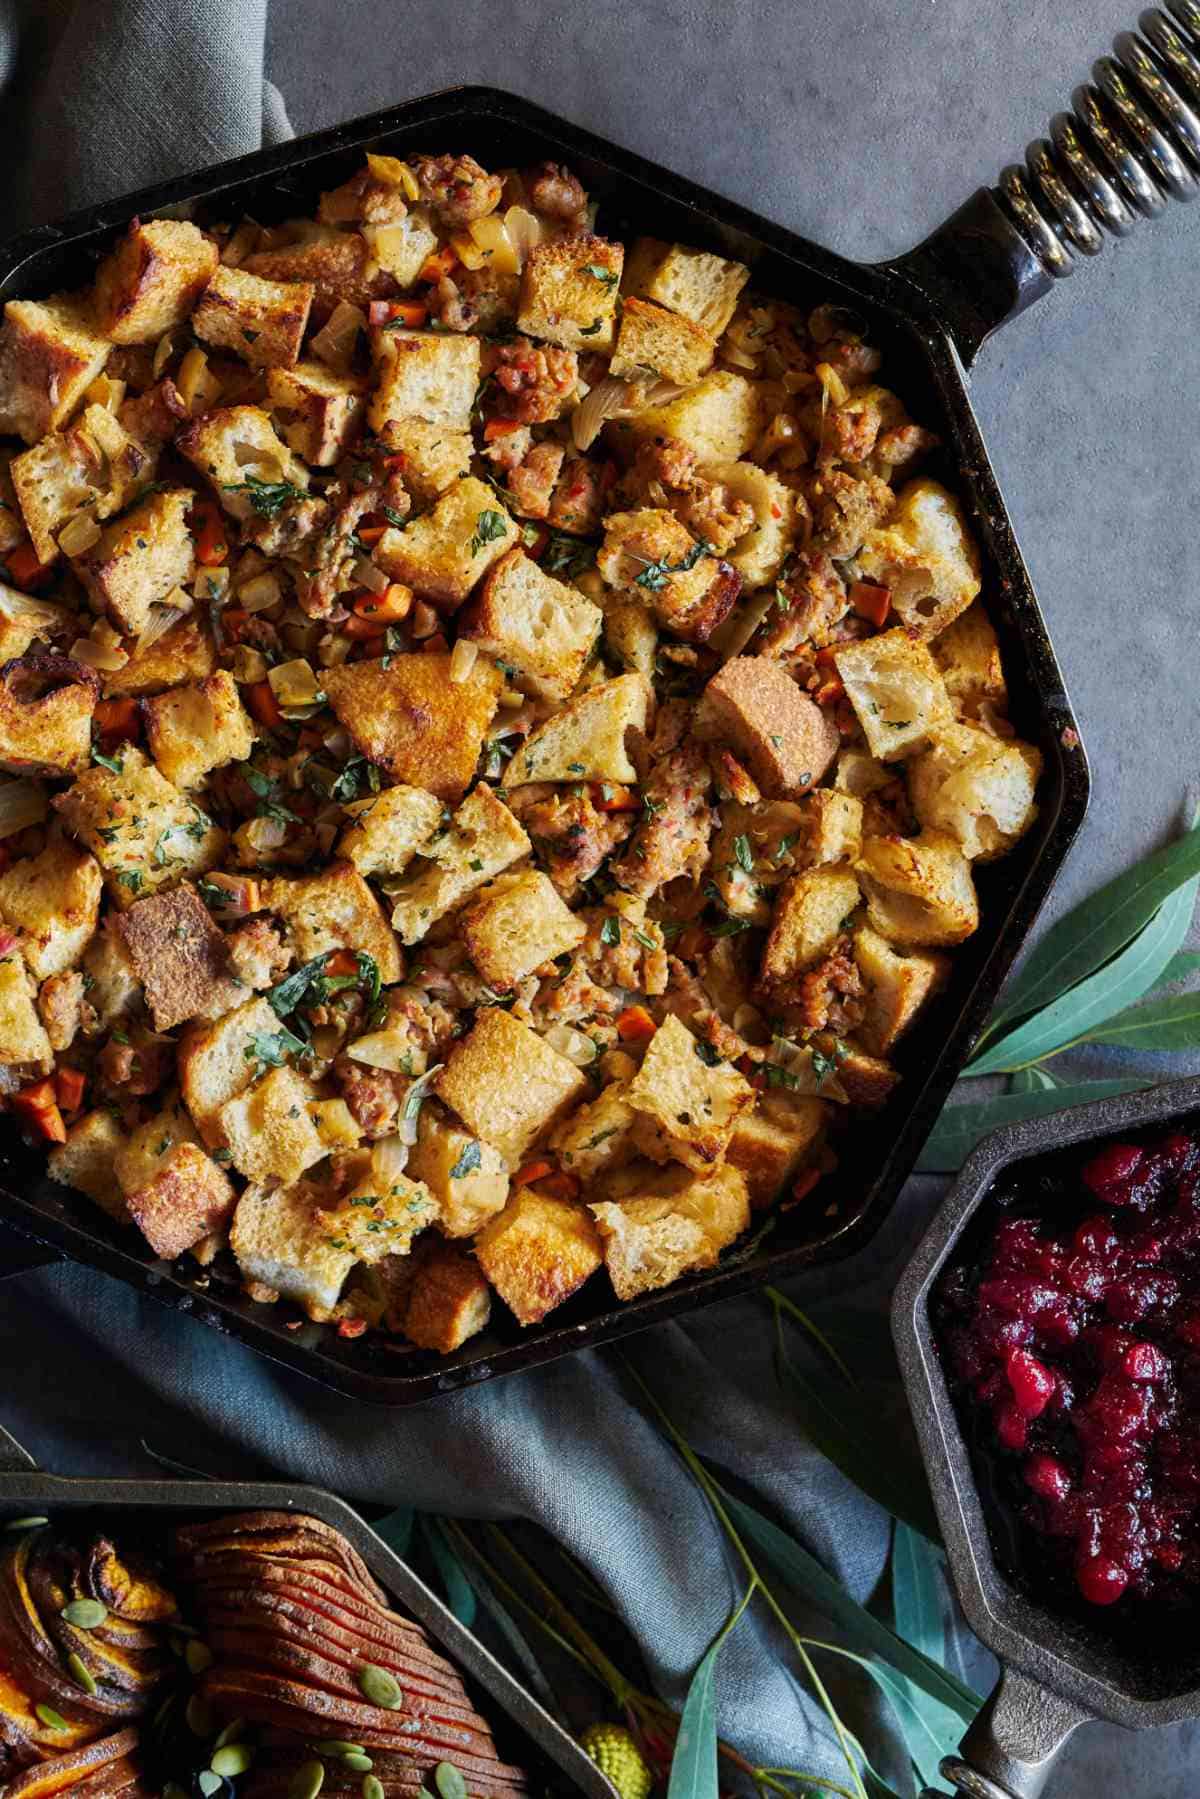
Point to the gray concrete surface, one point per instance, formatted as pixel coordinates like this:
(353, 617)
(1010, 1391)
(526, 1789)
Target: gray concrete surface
(863, 126)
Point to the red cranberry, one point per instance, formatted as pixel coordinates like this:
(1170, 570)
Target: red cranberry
(1032, 1384)
(1011, 1426)
(1047, 1476)
(1189, 1330)
(1087, 1277)
(1114, 1166)
(1096, 1237)
(1145, 1363)
(1101, 1580)
(1169, 1556)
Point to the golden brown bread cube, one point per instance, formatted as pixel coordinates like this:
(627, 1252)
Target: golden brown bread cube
(143, 1152)
(896, 690)
(772, 1143)
(719, 418)
(687, 1105)
(598, 1134)
(144, 833)
(60, 1008)
(151, 279)
(281, 1244)
(46, 706)
(113, 990)
(977, 787)
(192, 730)
(756, 848)
(897, 984)
(669, 1222)
(184, 653)
(657, 559)
(443, 553)
(969, 657)
(449, 1300)
(466, 1176)
(424, 375)
(23, 1039)
(388, 829)
(541, 628)
(785, 740)
(218, 1061)
(270, 1136)
(180, 957)
(50, 353)
(925, 556)
(379, 1214)
(320, 412)
(53, 900)
(434, 457)
(85, 1162)
(760, 553)
(654, 342)
(832, 827)
(93, 464)
(586, 740)
(337, 263)
(259, 320)
(810, 914)
(218, 444)
(187, 1199)
(334, 909)
(481, 840)
(700, 286)
(139, 558)
(406, 714)
(569, 291)
(516, 924)
(538, 1252)
(507, 1084)
(918, 890)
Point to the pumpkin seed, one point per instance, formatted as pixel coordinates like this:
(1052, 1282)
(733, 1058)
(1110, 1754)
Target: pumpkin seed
(209, 1782)
(335, 1746)
(377, 1685)
(450, 1783)
(198, 1656)
(372, 1787)
(307, 1781)
(85, 1614)
(81, 1674)
(358, 1764)
(231, 1733)
(232, 1760)
(26, 1523)
(50, 1718)
(199, 1716)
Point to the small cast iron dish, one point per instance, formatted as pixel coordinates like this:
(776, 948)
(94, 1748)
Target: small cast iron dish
(1056, 1672)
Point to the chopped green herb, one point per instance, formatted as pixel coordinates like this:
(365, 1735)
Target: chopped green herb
(610, 930)
(272, 1051)
(114, 764)
(268, 498)
(267, 792)
(655, 574)
(393, 517)
(591, 330)
(743, 853)
(490, 527)
(470, 1159)
(608, 276)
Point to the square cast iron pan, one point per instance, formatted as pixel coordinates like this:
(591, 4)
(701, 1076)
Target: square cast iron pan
(922, 363)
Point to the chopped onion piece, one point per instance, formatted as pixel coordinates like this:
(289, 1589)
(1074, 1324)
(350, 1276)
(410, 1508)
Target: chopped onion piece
(335, 342)
(337, 741)
(241, 244)
(108, 659)
(463, 658)
(390, 1050)
(796, 1059)
(732, 638)
(79, 535)
(524, 231)
(266, 833)
(163, 618)
(368, 576)
(571, 1043)
(211, 583)
(295, 684)
(22, 803)
(490, 237)
(14, 604)
(613, 399)
(416, 1096)
(260, 592)
(249, 664)
(164, 349)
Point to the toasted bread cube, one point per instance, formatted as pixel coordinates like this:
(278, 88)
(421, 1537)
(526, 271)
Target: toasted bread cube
(140, 557)
(517, 923)
(673, 1222)
(630, 632)
(690, 1105)
(379, 1216)
(507, 1084)
(785, 740)
(261, 321)
(569, 291)
(176, 1195)
(597, 1135)
(336, 1124)
(424, 375)
(435, 456)
(212, 444)
(46, 733)
(719, 418)
(94, 463)
(53, 900)
(774, 846)
(11, 529)
(388, 829)
(919, 890)
(48, 621)
(865, 1080)
(337, 263)
(810, 914)
(969, 657)
(649, 553)
(85, 1162)
(23, 1039)
(319, 412)
(144, 833)
(334, 909)
(652, 341)
(270, 1136)
(184, 653)
(219, 1061)
(896, 690)
(280, 1243)
(60, 1008)
(759, 555)
(700, 286)
(586, 740)
(406, 714)
(540, 627)
(442, 554)
(977, 787)
(151, 280)
(192, 730)
(773, 1142)
(925, 556)
(180, 957)
(897, 985)
(482, 839)
(861, 775)
(50, 353)
(538, 1252)
(449, 1300)
(113, 990)
(144, 1152)
(466, 1176)
(833, 826)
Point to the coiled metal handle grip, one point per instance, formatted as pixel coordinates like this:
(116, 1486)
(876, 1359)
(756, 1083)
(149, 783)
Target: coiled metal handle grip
(1131, 143)
(1010, 1750)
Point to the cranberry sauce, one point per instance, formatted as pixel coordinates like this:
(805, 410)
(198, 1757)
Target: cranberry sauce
(1071, 1339)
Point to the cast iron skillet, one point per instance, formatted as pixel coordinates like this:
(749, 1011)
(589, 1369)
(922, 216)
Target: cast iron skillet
(929, 311)
(1057, 1671)
(526, 1735)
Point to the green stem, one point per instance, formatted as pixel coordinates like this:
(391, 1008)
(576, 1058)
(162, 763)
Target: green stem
(780, 1300)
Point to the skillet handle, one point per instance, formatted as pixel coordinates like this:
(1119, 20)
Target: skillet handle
(1130, 143)
(1011, 1749)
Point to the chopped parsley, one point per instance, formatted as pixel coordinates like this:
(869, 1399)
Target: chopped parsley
(610, 931)
(131, 878)
(707, 1053)
(393, 517)
(267, 791)
(784, 845)
(568, 556)
(656, 574)
(114, 764)
(823, 1065)
(743, 853)
(490, 526)
(268, 498)
(608, 277)
(591, 330)
(470, 1159)
(272, 1051)
(730, 927)
(645, 941)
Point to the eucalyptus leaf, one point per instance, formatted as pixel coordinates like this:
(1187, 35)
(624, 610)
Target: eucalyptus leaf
(460, 1594)
(929, 1730)
(1169, 1023)
(1097, 929)
(1099, 997)
(1033, 1080)
(916, 1593)
(1179, 968)
(694, 1762)
(960, 1128)
(522, 1655)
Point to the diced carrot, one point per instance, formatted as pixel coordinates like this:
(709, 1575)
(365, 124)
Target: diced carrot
(362, 630)
(409, 312)
(536, 1170)
(351, 1327)
(39, 1107)
(69, 1084)
(635, 1025)
(208, 529)
(117, 718)
(561, 1185)
(369, 535)
(500, 428)
(263, 704)
(342, 961)
(802, 1187)
(871, 601)
(607, 797)
(439, 264)
(388, 607)
(23, 567)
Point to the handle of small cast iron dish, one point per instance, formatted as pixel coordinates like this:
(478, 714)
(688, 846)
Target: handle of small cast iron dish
(19, 1255)
(1130, 143)
(1010, 1750)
